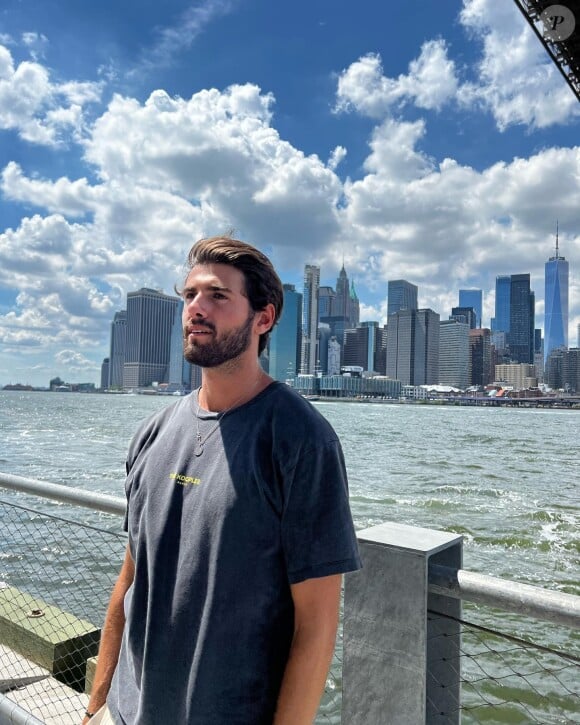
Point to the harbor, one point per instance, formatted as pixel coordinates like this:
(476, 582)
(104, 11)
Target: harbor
(502, 480)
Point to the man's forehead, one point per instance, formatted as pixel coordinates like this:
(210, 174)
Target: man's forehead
(222, 276)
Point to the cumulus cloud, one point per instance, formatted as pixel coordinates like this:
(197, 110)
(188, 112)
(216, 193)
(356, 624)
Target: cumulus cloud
(164, 171)
(41, 111)
(74, 361)
(429, 84)
(515, 78)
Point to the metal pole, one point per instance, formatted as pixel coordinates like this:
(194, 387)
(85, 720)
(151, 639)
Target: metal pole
(503, 594)
(13, 714)
(65, 494)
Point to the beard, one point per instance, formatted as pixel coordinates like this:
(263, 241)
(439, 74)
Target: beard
(219, 350)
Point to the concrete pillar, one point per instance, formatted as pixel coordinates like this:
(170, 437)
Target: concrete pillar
(398, 668)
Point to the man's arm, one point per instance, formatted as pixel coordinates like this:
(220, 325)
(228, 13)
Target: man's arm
(316, 611)
(111, 637)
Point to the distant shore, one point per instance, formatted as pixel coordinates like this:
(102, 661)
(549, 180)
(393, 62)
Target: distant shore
(569, 402)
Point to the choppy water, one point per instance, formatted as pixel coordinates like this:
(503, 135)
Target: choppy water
(505, 479)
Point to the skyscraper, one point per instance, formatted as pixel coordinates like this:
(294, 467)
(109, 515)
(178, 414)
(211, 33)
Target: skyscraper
(413, 347)
(454, 353)
(285, 338)
(402, 295)
(117, 350)
(472, 298)
(480, 369)
(309, 319)
(179, 376)
(345, 303)
(501, 321)
(468, 315)
(326, 298)
(556, 303)
(150, 318)
(363, 346)
(522, 319)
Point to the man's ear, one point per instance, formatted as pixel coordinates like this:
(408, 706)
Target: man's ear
(264, 320)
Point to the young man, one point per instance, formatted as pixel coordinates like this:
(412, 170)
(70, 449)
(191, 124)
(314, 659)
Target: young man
(226, 608)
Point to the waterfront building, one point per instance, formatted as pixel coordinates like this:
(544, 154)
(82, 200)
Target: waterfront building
(501, 321)
(556, 302)
(454, 353)
(308, 355)
(179, 375)
(105, 373)
(117, 350)
(401, 295)
(578, 336)
(553, 369)
(480, 356)
(571, 369)
(150, 319)
(351, 384)
(413, 346)
(521, 376)
(468, 315)
(285, 338)
(522, 319)
(472, 298)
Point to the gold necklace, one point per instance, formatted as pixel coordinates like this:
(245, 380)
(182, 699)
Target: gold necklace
(199, 441)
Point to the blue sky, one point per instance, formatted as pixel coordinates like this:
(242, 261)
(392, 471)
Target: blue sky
(433, 142)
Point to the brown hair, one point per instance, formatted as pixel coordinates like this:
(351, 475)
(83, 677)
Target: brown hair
(262, 284)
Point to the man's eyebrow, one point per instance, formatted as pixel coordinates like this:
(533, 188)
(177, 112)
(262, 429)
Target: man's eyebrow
(212, 288)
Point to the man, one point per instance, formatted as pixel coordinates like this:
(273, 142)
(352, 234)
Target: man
(226, 608)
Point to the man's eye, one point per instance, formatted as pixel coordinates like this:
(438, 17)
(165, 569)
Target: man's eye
(219, 296)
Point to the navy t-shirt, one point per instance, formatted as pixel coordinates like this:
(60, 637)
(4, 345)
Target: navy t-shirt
(217, 540)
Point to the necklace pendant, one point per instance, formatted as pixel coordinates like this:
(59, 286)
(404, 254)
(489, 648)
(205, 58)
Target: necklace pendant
(198, 448)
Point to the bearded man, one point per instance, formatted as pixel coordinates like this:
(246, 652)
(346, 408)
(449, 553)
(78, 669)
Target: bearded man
(226, 608)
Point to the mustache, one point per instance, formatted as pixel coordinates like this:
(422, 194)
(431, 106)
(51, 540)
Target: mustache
(198, 323)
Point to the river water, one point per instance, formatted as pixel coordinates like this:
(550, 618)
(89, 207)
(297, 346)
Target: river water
(507, 480)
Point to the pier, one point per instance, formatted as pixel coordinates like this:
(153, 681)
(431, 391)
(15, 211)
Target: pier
(421, 640)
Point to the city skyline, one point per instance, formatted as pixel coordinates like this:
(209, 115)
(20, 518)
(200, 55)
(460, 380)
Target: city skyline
(428, 153)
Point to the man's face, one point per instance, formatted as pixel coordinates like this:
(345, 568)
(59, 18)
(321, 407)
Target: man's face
(218, 323)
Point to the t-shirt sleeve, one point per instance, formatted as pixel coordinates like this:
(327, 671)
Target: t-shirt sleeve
(318, 534)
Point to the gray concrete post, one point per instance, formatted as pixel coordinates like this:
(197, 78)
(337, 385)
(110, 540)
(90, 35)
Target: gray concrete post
(401, 666)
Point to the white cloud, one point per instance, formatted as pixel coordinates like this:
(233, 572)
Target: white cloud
(74, 361)
(173, 39)
(338, 154)
(36, 44)
(429, 84)
(516, 80)
(41, 111)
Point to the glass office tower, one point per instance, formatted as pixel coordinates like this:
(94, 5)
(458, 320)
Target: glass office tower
(556, 303)
(501, 321)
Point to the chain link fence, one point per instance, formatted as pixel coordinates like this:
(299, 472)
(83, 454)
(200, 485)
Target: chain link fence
(55, 578)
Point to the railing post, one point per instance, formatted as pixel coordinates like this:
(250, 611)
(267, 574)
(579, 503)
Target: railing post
(396, 670)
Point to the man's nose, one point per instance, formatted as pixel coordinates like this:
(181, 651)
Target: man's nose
(196, 306)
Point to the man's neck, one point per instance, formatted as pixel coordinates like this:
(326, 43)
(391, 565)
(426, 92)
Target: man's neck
(222, 389)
